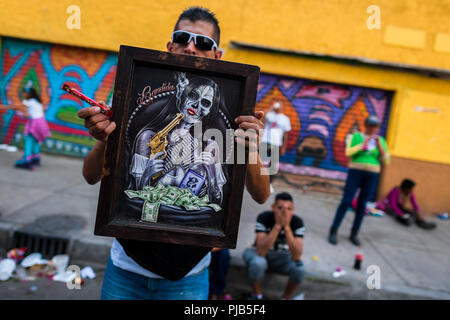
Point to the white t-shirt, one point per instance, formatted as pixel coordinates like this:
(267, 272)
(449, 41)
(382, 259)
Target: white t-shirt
(121, 260)
(34, 108)
(275, 127)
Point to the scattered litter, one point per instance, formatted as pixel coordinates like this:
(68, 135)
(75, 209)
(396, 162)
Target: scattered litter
(34, 266)
(64, 277)
(8, 148)
(22, 275)
(61, 262)
(32, 289)
(338, 273)
(11, 149)
(358, 261)
(300, 296)
(33, 259)
(316, 258)
(7, 267)
(376, 212)
(16, 254)
(79, 281)
(87, 272)
(443, 216)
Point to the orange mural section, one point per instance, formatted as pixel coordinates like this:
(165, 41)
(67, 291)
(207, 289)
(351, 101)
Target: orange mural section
(89, 60)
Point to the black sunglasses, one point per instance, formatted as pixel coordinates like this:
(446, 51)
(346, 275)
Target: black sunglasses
(201, 42)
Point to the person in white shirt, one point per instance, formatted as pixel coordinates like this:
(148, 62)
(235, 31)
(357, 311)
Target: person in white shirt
(276, 128)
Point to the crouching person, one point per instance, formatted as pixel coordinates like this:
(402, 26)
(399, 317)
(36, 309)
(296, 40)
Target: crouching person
(278, 247)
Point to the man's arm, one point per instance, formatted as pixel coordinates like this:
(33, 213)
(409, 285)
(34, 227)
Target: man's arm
(93, 163)
(295, 243)
(257, 178)
(284, 145)
(265, 241)
(257, 181)
(100, 127)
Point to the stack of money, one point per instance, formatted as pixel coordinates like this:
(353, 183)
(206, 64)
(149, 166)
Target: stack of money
(154, 197)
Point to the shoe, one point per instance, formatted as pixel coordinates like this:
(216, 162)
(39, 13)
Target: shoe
(354, 238)
(404, 219)
(425, 225)
(24, 165)
(255, 297)
(36, 162)
(300, 296)
(332, 237)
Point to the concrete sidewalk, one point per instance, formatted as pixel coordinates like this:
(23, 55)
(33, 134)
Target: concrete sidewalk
(412, 261)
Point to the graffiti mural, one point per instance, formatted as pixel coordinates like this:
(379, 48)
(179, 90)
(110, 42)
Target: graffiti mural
(323, 116)
(48, 66)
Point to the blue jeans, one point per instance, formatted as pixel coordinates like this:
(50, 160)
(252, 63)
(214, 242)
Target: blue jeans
(119, 284)
(279, 261)
(366, 181)
(220, 262)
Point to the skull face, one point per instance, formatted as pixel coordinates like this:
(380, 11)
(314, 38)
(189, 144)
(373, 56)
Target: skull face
(198, 104)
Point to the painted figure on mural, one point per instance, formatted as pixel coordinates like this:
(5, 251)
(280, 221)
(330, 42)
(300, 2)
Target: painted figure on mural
(276, 129)
(36, 129)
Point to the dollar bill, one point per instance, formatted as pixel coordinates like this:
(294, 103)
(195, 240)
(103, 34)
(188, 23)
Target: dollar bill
(150, 211)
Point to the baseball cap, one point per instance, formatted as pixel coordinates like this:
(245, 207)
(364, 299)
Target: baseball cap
(372, 121)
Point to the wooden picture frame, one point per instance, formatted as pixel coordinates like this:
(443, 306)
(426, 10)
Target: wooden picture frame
(151, 89)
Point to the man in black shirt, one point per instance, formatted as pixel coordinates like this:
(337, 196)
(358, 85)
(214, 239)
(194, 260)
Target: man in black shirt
(152, 270)
(278, 246)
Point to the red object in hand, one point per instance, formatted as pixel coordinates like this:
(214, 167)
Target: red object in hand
(105, 110)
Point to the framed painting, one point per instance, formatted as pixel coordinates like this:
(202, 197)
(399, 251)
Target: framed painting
(171, 171)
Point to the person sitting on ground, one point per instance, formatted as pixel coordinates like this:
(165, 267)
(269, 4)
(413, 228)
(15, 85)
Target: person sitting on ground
(401, 203)
(278, 246)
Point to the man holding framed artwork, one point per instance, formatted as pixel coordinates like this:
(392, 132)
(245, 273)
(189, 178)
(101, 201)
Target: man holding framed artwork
(155, 270)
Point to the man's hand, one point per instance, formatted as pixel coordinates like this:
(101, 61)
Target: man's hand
(99, 125)
(249, 126)
(283, 218)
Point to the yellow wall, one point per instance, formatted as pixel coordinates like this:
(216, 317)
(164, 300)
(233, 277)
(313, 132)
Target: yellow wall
(424, 122)
(412, 32)
(336, 27)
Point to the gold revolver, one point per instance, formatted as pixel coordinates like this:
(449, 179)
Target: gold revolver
(158, 142)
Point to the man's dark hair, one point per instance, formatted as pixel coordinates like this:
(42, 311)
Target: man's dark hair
(407, 184)
(33, 93)
(284, 196)
(194, 14)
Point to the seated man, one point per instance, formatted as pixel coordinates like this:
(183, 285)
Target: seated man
(278, 246)
(401, 203)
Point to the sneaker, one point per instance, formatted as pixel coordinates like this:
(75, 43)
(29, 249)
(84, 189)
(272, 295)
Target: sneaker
(36, 162)
(354, 239)
(332, 237)
(300, 296)
(24, 165)
(404, 219)
(425, 225)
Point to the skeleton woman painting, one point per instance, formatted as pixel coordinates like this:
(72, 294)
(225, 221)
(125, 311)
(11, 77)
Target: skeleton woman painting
(166, 151)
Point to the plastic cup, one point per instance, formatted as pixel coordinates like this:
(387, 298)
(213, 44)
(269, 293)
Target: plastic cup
(7, 267)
